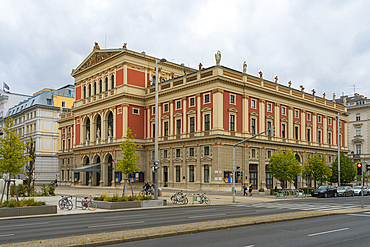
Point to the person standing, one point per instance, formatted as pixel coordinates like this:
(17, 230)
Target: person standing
(250, 189)
(245, 190)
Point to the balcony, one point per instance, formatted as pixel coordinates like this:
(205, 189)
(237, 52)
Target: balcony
(356, 156)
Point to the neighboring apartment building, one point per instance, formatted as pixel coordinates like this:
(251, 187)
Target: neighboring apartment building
(358, 108)
(202, 113)
(37, 118)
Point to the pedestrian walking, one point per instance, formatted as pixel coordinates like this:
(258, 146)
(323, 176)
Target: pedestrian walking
(250, 189)
(245, 190)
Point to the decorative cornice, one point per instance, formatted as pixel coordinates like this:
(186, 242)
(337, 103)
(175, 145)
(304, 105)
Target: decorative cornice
(254, 114)
(262, 101)
(290, 107)
(297, 122)
(245, 96)
(309, 125)
(197, 95)
(218, 90)
(233, 109)
(270, 117)
(320, 127)
(277, 104)
(206, 108)
(304, 111)
(165, 117)
(191, 112)
(177, 114)
(284, 120)
(125, 105)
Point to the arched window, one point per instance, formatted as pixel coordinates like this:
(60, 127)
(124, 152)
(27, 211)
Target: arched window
(112, 81)
(106, 83)
(84, 92)
(110, 125)
(89, 90)
(100, 86)
(94, 87)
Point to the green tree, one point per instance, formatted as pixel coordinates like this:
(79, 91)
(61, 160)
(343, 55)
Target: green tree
(348, 170)
(317, 169)
(284, 166)
(128, 163)
(30, 168)
(12, 158)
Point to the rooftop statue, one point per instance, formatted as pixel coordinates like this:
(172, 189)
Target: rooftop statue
(333, 96)
(200, 66)
(96, 46)
(302, 88)
(313, 91)
(290, 83)
(276, 79)
(245, 67)
(261, 74)
(218, 57)
(124, 46)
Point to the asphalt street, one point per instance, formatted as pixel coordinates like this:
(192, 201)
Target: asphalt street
(340, 230)
(20, 230)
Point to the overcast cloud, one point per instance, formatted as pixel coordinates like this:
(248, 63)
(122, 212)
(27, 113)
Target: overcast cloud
(323, 45)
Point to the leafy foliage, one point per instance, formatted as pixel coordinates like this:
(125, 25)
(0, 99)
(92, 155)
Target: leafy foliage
(317, 169)
(22, 203)
(116, 198)
(284, 166)
(347, 170)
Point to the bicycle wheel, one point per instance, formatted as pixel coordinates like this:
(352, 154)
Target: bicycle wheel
(142, 193)
(84, 204)
(92, 206)
(173, 199)
(207, 200)
(60, 204)
(69, 205)
(184, 200)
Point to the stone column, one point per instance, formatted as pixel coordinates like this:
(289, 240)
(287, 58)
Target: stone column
(184, 116)
(93, 131)
(277, 120)
(124, 119)
(148, 123)
(262, 168)
(125, 74)
(303, 125)
(290, 130)
(199, 117)
(245, 106)
(104, 128)
(217, 112)
(171, 131)
(262, 118)
(325, 130)
(314, 127)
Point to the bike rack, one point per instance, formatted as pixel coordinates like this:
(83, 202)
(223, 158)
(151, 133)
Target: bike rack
(195, 198)
(81, 201)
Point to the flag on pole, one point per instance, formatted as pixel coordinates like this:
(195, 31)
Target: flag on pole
(5, 86)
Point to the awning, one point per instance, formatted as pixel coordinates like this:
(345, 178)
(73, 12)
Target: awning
(89, 168)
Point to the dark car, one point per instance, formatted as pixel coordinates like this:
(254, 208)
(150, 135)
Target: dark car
(325, 191)
(345, 191)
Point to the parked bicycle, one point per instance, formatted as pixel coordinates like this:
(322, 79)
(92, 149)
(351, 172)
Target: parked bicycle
(89, 204)
(281, 194)
(179, 197)
(300, 193)
(202, 198)
(65, 203)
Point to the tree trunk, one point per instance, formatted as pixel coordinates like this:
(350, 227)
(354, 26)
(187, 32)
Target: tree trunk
(7, 190)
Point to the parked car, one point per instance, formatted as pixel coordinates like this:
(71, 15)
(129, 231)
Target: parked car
(325, 191)
(357, 190)
(345, 191)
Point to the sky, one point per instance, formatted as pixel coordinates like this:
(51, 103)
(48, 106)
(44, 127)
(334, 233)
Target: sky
(322, 45)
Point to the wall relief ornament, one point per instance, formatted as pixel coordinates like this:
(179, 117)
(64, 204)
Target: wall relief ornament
(96, 58)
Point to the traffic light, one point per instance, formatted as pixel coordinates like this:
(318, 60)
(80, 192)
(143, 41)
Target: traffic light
(273, 130)
(367, 167)
(238, 167)
(359, 169)
(156, 167)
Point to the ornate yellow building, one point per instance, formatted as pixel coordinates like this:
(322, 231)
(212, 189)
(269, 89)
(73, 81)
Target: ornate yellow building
(202, 113)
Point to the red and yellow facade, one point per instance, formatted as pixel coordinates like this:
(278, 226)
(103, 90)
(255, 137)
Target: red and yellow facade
(202, 113)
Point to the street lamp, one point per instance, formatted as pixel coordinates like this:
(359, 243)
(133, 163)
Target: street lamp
(156, 160)
(339, 146)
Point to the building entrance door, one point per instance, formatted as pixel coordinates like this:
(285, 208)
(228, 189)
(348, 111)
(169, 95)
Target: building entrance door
(165, 176)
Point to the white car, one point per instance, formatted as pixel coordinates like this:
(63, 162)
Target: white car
(357, 190)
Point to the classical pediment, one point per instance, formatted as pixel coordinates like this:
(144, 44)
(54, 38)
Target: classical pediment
(206, 108)
(284, 120)
(152, 119)
(309, 125)
(233, 109)
(165, 161)
(320, 127)
(95, 57)
(269, 117)
(206, 158)
(191, 159)
(177, 160)
(254, 114)
(191, 112)
(297, 122)
(165, 117)
(177, 114)
(330, 129)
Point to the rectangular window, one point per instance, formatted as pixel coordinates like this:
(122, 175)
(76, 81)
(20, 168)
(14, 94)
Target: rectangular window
(62, 175)
(165, 154)
(319, 119)
(232, 99)
(191, 173)
(69, 143)
(253, 103)
(269, 107)
(308, 135)
(329, 138)
(358, 131)
(192, 102)
(296, 132)
(136, 111)
(63, 143)
(269, 154)
(153, 155)
(63, 104)
(283, 110)
(192, 124)
(232, 122)
(178, 152)
(207, 122)
(329, 121)
(165, 128)
(68, 175)
(48, 101)
(206, 151)
(253, 153)
(178, 174)
(253, 175)
(153, 131)
(165, 108)
(283, 131)
(319, 136)
(253, 126)
(191, 152)
(206, 173)
(206, 98)
(178, 104)
(308, 116)
(268, 177)
(153, 110)
(178, 126)
(296, 113)
(358, 148)
(358, 117)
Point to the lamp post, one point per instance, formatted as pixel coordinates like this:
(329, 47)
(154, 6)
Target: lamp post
(156, 160)
(339, 146)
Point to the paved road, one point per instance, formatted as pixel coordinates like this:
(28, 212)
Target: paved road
(20, 230)
(340, 230)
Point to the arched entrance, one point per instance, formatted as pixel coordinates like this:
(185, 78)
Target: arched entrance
(296, 180)
(110, 169)
(97, 174)
(86, 162)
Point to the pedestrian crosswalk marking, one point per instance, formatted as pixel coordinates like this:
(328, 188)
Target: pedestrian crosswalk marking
(297, 206)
